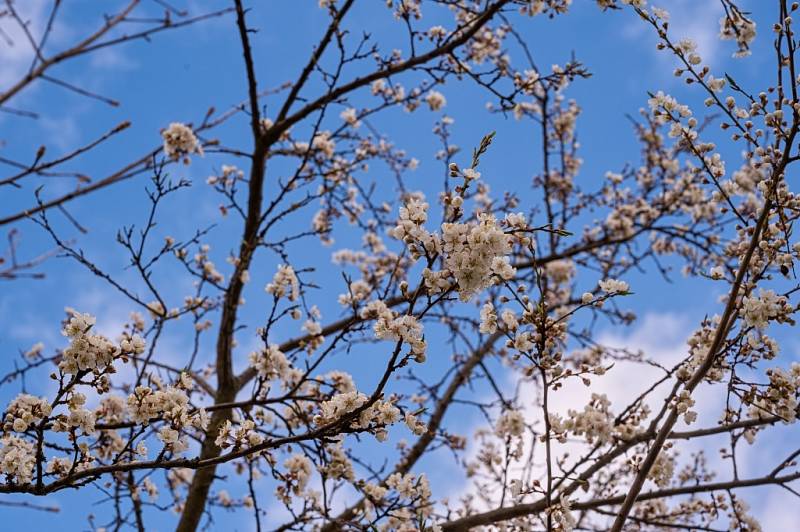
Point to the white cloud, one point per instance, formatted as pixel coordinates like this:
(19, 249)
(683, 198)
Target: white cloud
(690, 19)
(662, 338)
(16, 52)
(113, 58)
(780, 511)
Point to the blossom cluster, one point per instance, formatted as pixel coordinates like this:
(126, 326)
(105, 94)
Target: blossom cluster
(595, 423)
(374, 418)
(180, 141)
(17, 458)
(171, 405)
(758, 311)
(24, 410)
(476, 254)
(88, 354)
(270, 363)
(284, 284)
(391, 326)
(779, 398)
(510, 423)
(244, 435)
(735, 26)
(93, 352)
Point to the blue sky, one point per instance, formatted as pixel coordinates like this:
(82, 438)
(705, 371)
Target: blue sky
(180, 74)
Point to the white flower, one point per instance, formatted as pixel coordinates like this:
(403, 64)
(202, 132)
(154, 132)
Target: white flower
(563, 521)
(358, 291)
(757, 311)
(323, 143)
(350, 116)
(511, 423)
(611, 286)
(405, 328)
(35, 351)
(170, 404)
(416, 426)
(437, 32)
(663, 105)
(244, 435)
(180, 141)
(476, 253)
(595, 422)
(78, 324)
(488, 319)
(59, 466)
(150, 487)
(735, 26)
(523, 342)
(284, 283)
(79, 417)
(17, 458)
(168, 435)
(270, 363)
(87, 351)
(24, 410)
(298, 471)
(435, 100)
(312, 327)
(224, 498)
(683, 403)
(470, 174)
(409, 486)
(560, 271)
(509, 319)
(662, 14)
(135, 344)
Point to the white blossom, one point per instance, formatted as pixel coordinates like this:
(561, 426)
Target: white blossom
(435, 100)
(758, 311)
(17, 459)
(488, 318)
(613, 286)
(180, 141)
(284, 284)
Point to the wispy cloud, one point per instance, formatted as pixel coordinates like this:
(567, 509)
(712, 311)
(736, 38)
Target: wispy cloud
(689, 19)
(16, 52)
(662, 338)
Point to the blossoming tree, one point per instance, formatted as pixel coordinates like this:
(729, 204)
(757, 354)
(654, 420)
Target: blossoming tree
(469, 300)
